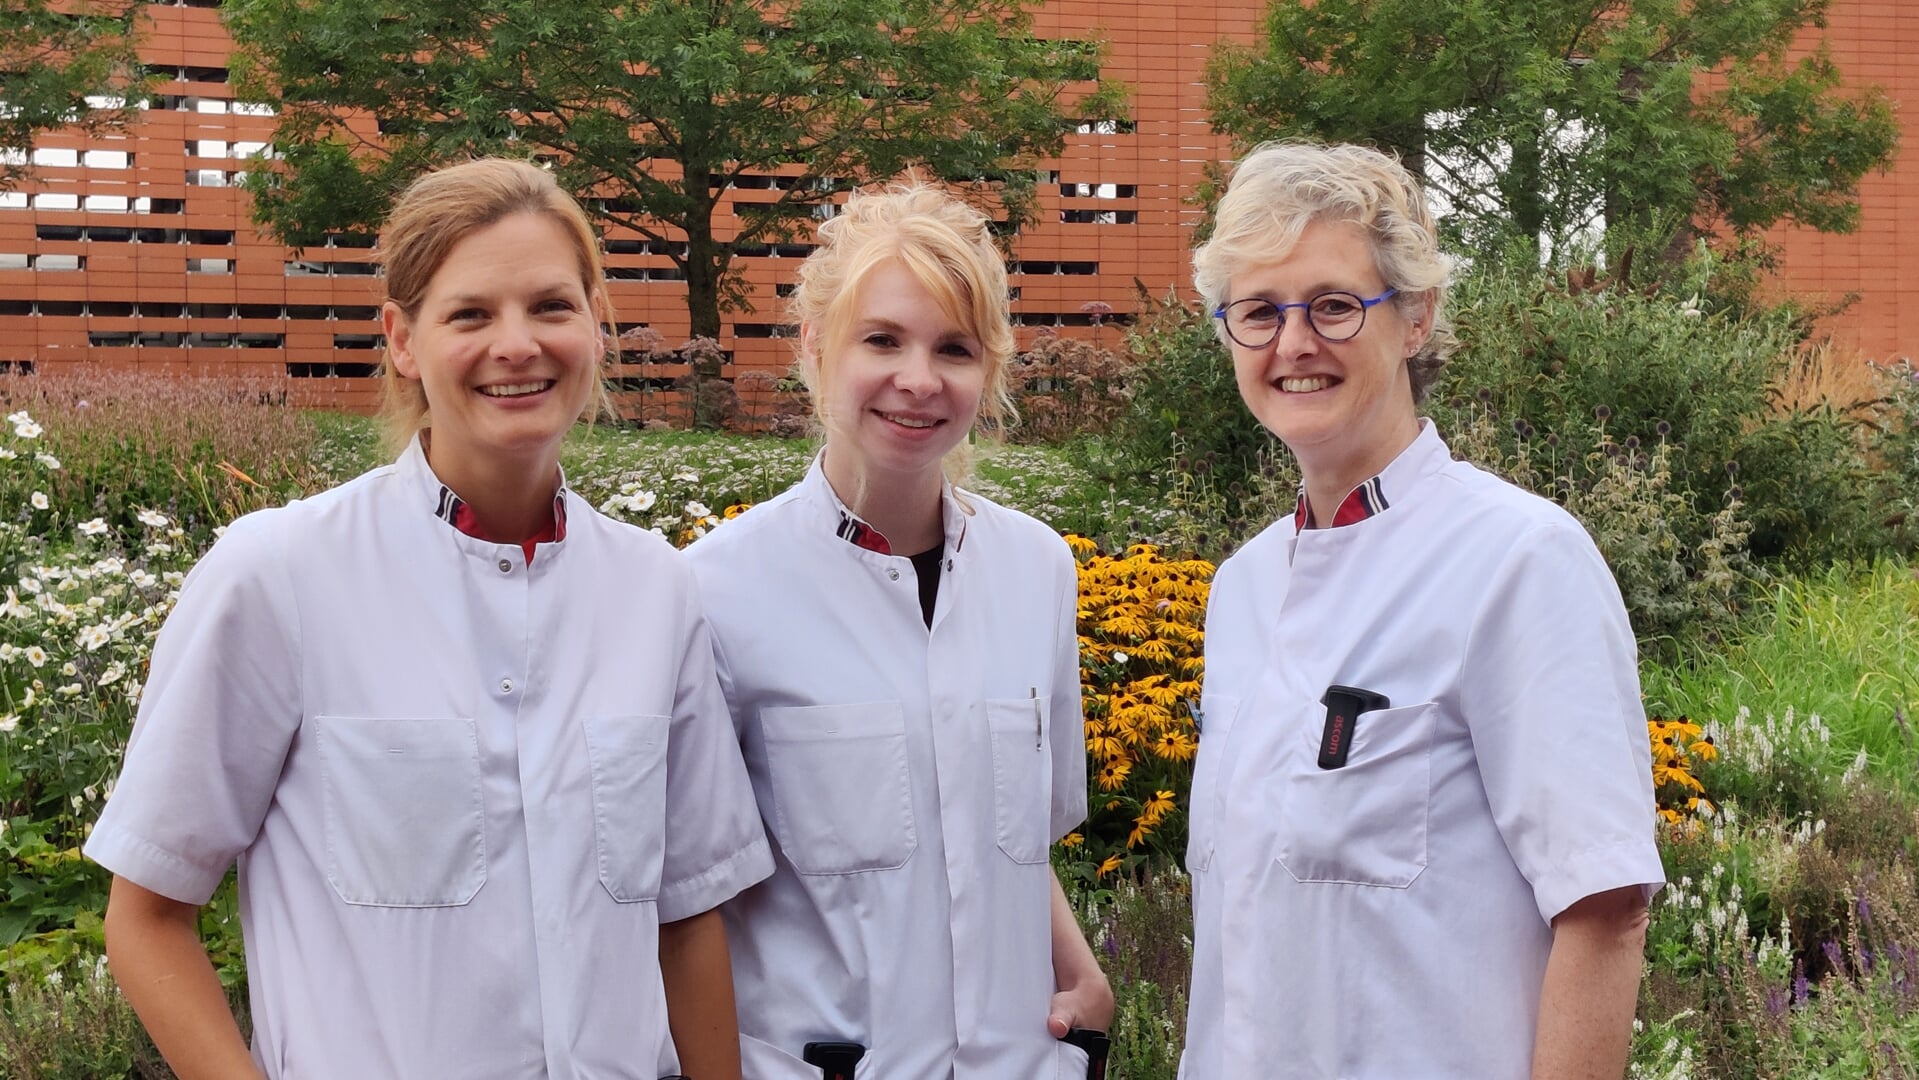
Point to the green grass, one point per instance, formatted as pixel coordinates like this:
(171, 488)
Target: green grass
(1842, 643)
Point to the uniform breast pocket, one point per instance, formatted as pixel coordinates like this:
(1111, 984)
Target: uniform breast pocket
(842, 798)
(405, 822)
(1022, 777)
(628, 759)
(1363, 823)
(1207, 802)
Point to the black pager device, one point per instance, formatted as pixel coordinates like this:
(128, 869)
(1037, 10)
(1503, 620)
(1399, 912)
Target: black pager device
(1343, 706)
(1096, 1045)
(835, 1060)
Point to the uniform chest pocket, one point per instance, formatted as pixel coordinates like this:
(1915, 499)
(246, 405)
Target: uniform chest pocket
(1022, 777)
(1364, 823)
(842, 797)
(627, 755)
(1206, 804)
(405, 822)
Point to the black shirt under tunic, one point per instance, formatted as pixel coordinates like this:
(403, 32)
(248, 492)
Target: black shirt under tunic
(927, 565)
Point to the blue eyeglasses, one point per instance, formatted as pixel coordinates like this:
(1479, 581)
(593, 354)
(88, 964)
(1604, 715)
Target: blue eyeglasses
(1336, 316)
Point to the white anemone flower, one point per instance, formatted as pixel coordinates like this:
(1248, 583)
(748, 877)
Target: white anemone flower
(48, 460)
(152, 519)
(94, 527)
(95, 636)
(36, 656)
(27, 430)
(39, 500)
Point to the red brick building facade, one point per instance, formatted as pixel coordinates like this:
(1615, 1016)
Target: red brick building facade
(136, 250)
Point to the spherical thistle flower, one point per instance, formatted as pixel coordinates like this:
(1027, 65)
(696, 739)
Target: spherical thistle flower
(1603, 412)
(1662, 428)
(93, 528)
(39, 500)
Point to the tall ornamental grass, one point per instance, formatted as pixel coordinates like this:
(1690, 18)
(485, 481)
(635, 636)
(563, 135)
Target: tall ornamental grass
(201, 451)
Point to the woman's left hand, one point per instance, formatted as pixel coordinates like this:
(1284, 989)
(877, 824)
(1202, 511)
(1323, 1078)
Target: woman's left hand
(1086, 1005)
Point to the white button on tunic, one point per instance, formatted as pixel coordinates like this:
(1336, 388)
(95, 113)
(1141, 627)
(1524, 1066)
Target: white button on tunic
(445, 871)
(913, 783)
(1390, 919)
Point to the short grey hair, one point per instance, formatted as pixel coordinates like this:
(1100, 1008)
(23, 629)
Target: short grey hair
(1282, 187)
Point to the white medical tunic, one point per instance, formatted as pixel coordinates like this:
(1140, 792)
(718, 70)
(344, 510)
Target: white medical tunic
(1390, 919)
(463, 791)
(912, 782)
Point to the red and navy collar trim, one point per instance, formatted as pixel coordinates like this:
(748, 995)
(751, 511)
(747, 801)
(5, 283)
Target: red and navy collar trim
(860, 534)
(1361, 503)
(455, 512)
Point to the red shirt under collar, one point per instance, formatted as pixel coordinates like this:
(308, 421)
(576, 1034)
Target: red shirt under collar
(454, 511)
(1361, 503)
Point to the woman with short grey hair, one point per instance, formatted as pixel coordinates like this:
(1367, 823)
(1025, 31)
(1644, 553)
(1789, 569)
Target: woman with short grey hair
(1422, 835)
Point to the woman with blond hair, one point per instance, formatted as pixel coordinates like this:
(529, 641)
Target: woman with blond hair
(901, 661)
(1422, 832)
(469, 844)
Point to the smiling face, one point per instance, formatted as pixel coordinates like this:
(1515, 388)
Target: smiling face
(505, 343)
(902, 386)
(1345, 409)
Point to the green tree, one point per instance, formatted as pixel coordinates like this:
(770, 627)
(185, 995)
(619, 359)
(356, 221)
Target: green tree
(1534, 117)
(651, 110)
(53, 58)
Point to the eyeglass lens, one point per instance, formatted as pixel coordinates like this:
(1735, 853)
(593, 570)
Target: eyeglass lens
(1335, 316)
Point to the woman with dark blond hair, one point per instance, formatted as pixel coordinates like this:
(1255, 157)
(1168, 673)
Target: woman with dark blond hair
(471, 844)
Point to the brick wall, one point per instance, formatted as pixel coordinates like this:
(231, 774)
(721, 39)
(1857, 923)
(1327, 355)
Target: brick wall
(1873, 42)
(136, 250)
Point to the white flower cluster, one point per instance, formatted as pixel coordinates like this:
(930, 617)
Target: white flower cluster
(77, 624)
(1758, 745)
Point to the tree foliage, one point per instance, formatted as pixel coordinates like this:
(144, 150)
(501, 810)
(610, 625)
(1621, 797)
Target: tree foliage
(53, 58)
(1534, 117)
(651, 110)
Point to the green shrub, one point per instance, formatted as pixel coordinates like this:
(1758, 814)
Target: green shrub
(1895, 446)
(1574, 368)
(1185, 404)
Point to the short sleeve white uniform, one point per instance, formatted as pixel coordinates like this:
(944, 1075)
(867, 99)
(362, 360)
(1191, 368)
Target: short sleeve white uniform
(1390, 920)
(463, 791)
(912, 782)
